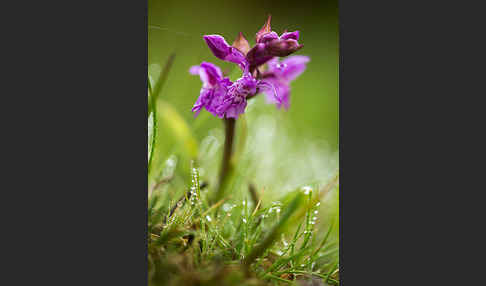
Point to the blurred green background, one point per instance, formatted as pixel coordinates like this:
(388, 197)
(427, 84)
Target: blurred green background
(283, 149)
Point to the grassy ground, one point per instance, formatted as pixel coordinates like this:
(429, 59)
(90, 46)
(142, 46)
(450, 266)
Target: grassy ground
(248, 242)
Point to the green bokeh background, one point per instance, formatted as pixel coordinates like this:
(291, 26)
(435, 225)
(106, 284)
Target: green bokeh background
(304, 140)
(178, 26)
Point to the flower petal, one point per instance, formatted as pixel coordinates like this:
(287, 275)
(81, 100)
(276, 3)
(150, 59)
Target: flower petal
(268, 37)
(279, 95)
(273, 64)
(293, 66)
(212, 72)
(269, 87)
(223, 51)
(194, 70)
(290, 35)
(203, 99)
(209, 73)
(283, 48)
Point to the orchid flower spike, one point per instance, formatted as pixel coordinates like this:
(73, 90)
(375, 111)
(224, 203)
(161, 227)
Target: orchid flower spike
(226, 99)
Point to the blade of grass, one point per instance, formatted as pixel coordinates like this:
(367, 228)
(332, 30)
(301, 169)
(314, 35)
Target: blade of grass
(329, 186)
(152, 107)
(163, 78)
(323, 241)
(332, 270)
(275, 231)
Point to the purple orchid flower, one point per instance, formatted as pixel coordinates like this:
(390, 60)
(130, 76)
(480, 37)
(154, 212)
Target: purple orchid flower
(219, 95)
(280, 74)
(227, 99)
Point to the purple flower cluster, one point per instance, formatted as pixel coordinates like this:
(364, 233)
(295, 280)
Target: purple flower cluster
(227, 99)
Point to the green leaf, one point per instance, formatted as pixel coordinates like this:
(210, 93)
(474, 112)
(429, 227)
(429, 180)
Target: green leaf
(152, 109)
(179, 128)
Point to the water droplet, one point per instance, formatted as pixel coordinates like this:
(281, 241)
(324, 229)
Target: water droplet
(227, 207)
(208, 218)
(307, 190)
(244, 220)
(318, 204)
(316, 212)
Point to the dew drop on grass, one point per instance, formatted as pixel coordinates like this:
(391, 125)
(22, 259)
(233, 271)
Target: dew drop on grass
(227, 207)
(306, 190)
(318, 204)
(208, 218)
(244, 220)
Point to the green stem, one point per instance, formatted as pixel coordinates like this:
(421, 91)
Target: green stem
(227, 153)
